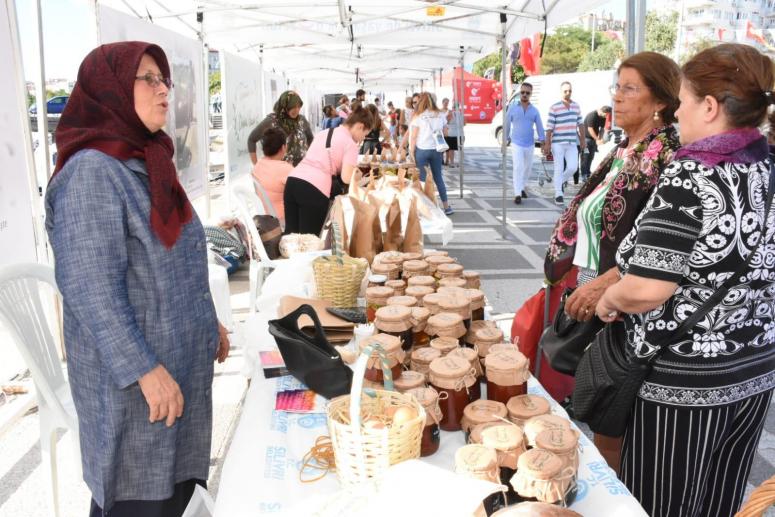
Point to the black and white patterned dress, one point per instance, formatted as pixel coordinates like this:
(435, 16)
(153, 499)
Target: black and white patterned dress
(697, 228)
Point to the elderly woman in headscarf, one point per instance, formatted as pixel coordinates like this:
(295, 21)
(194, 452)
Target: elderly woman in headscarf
(140, 328)
(286, 116)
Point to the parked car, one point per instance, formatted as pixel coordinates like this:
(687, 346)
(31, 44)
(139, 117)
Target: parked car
(54, 106)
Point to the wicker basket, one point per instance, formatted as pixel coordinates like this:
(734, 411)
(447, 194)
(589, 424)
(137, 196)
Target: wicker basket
(338, 277)
(761, 498)
(362, 453)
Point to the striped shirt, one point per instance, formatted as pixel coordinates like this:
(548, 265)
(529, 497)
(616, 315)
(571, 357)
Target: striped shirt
(589, 219)
(563, 122)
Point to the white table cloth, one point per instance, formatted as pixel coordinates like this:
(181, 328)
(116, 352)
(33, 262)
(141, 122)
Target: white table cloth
(261, 471)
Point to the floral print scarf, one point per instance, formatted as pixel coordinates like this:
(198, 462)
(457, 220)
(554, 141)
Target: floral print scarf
(630, 189)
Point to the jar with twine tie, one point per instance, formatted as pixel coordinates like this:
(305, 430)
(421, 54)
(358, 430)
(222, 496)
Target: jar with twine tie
(524, 407)
(431, 437)
(535, 425)
(480, 462)
(453, 376)
(480, 412)
(508, 440)
(390, 271)
(478, 325)
(396, 320)
(542, 475)
(507, 375)
(431, 302)
(420, 317)
(446, 324)
(405, 300)
(435, 261)
(449, 270)
(423, 280)
(562, 442)
(398, 287)
(457, 305)
(452, 281)
(477, 303)
(419, 292)
(472, 356)
(486, 337)
(393, 352)
(376, 298)
(422, 358)
(409, 380)
(414, 268)
(472, 279)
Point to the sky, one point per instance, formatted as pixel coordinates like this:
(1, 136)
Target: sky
(70, 33)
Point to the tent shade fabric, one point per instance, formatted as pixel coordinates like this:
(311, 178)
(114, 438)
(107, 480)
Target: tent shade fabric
(343, 43)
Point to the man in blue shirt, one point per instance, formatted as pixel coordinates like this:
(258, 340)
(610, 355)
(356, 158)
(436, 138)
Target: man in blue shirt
(520, 119)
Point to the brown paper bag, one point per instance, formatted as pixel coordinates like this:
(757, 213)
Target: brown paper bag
(355, 190)
(335, 214)
(430, 187)
(413, 242)
(393, 238)
(366, 238)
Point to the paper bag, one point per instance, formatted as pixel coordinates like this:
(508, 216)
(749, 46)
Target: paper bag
(413, 242)
(366, 238)
(393, 238)
(430, 187)
(335, 214)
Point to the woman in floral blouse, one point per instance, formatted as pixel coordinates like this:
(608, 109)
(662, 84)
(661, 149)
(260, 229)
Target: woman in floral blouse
(286, 116)
(600, 216)
(698, 417)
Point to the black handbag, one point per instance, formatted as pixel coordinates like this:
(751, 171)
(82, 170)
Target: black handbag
(564, 341)
(311, 358)
(608, 380)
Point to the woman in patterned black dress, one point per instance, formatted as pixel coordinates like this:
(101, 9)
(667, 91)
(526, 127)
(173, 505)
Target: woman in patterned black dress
(698, 417)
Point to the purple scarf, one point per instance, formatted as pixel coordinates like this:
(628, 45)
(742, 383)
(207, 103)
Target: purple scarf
(737, 146)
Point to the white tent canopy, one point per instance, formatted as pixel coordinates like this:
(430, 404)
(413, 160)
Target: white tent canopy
(390, 45)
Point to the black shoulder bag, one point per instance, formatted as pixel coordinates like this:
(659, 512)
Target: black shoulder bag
(607, 380)
(565, 340)
(311, 358)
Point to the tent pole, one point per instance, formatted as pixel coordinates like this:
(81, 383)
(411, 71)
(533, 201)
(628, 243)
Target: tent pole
(461, 116)
(206, 98)
(504, 101)
(40, 94)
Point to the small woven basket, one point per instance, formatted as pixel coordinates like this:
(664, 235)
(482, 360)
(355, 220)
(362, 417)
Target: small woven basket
(364, 453)
(338, 277)
(761, 498)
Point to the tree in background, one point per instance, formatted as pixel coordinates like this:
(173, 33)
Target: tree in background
(56, 93)
(493, 61)
(215, 82)
(697, 47)
(661, 32)
(565, 49)
(605, 56)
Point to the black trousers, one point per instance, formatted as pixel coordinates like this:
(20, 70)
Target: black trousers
(692, 461)
(586, 158)
(305, 207)
(172, 507)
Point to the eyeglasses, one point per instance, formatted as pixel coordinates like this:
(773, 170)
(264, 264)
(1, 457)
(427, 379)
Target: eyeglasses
(628, 90)
(526, 93)
(154, 80)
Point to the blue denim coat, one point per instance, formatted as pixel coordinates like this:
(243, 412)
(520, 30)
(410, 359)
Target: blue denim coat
(129, 305)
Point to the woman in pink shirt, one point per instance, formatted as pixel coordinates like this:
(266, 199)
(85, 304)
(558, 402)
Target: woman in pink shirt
(308, 189)
(272, 171)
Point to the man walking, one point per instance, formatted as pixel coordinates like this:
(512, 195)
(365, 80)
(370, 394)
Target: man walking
(594, 123)
(564, 133)
(520, 119)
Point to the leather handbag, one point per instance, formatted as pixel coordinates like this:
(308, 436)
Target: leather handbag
(310, 357)
(608, 378)
(565, 340)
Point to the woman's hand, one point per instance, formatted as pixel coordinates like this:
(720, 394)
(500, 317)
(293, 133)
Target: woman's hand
(581, 304)
(223, 344)
(163, 395)
(606, 310)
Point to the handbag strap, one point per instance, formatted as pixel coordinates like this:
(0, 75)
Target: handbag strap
(328, 150)
(722, 291)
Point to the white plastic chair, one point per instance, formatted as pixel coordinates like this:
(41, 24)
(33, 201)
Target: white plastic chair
(200, 504)
(30, 319)
(248, 205)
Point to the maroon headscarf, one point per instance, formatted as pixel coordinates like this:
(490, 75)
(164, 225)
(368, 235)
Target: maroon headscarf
(100, 114)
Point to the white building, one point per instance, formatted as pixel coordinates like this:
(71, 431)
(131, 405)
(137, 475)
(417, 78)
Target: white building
(742, 21)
